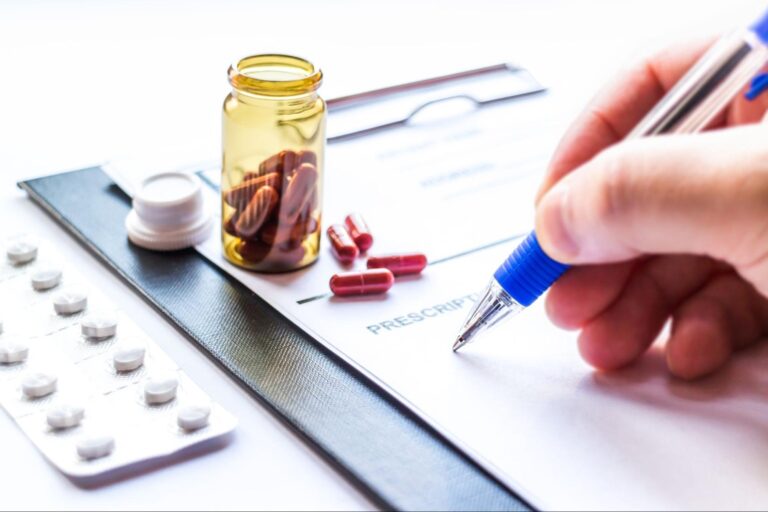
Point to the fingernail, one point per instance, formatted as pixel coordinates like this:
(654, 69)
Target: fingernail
(553, 229)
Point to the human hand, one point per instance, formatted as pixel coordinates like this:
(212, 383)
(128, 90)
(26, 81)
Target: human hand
(662, 227)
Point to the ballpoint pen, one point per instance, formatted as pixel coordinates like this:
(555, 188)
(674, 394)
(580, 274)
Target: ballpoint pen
(705, 90)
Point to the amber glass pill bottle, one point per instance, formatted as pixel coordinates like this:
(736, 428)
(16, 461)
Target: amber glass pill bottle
(273, 137)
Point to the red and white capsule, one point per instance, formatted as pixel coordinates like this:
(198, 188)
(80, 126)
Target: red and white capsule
(359, 231)
(342, 245)
(400, 264)
(362, 283)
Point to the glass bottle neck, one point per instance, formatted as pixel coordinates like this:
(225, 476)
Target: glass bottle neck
(298, 101)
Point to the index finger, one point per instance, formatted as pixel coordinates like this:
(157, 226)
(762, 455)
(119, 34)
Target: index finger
(616, 109)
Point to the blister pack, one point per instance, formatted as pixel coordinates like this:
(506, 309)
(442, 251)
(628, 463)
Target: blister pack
(96, 394)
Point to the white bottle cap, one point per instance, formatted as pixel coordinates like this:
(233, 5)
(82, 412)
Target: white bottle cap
(169, 213)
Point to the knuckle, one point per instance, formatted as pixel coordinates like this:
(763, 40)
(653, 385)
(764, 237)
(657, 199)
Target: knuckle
(743, 196)
(756, 273)
(682, 369)
(613, 195)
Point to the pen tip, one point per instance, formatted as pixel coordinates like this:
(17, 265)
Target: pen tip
(460, 342)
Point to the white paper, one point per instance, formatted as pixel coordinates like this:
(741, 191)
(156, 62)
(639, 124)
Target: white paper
(520, 400)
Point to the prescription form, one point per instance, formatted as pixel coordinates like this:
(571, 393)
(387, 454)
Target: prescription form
(460, 188)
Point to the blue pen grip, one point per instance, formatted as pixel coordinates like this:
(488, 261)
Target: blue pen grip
(528, 272)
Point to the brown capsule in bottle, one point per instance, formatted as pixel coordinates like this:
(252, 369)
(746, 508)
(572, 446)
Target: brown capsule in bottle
(273, 233)
(256, 213)
(359, 231)
(288, 256)
(342, 245)
(229, 225)
(271, 164)
(306, 157)
(289, 162)
(301, 230)
(362, 283)
(306, 222)
(253, 251)
(282, 162)
(276, 233)
(308, 227)
(298, 191)
(240, 195)
(400, 264)
(312, 201)
(252, 175)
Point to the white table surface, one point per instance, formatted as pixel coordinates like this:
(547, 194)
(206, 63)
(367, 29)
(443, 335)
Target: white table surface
(82, 82)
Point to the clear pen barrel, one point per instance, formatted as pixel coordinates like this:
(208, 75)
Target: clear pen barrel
(708, 87)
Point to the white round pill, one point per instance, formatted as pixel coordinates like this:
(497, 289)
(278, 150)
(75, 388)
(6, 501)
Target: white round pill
(193, 417)
(12, 351)
(128, 358)
(159, 390)
(95, 446)
(65, 416)
(38, 385)
(21, 252)
(70, 302)
(99, 326)
(46, 279)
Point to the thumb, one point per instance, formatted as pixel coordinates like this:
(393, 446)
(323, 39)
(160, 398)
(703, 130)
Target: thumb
(702, 194)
